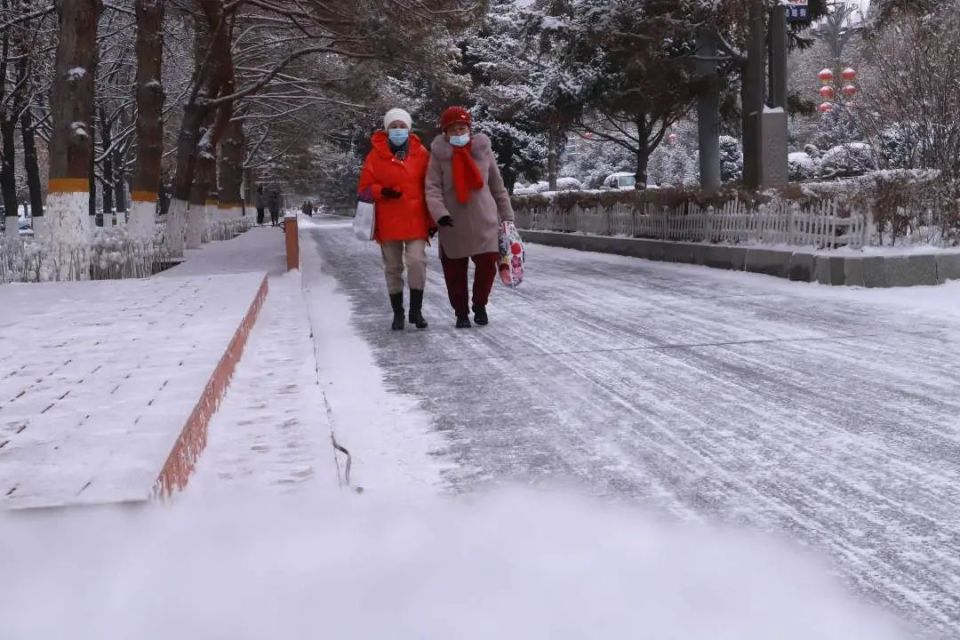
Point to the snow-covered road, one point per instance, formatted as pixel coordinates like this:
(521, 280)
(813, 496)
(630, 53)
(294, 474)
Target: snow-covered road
(832, 416)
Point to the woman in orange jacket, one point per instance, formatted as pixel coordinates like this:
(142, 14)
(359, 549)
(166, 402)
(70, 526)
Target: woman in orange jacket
(393, 178)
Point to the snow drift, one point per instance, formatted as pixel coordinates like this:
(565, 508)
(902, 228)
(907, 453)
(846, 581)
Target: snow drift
(511, 565)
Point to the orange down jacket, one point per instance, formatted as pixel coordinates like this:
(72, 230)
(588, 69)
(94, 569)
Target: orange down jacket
(406, 217)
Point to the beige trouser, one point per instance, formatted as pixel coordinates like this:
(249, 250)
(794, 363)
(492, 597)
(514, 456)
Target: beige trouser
(414, 252)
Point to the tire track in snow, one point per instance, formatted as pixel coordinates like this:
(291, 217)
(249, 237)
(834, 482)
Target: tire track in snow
(828, 418)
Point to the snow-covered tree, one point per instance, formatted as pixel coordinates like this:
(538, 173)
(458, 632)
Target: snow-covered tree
(838, 126)
(910, 99)
(631, 66)
(591, 161)
(519, 84)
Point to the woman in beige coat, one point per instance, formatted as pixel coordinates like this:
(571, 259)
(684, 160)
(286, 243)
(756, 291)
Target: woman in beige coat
(468, 200)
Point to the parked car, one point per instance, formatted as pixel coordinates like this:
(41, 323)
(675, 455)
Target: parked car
(530, 189)
(621, 181)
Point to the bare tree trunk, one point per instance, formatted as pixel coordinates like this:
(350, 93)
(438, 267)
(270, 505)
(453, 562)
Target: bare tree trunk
(106, 139)
(150, 98)
(204, 199)
(553, 158)
(119, 186)
(752, 95)
(8, 174)
(212, 63)
(249, 180)
(643, 161)
(231, 170)
(92, 178)
(71, 145)
(205, 174)
(30, 163)
(708, 114)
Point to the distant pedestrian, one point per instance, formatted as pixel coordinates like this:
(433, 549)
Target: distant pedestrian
(392, 177)
(261, 203)
(274, 208)
(307, 208)
(467, 198)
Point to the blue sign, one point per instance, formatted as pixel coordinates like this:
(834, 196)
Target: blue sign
(798, 13)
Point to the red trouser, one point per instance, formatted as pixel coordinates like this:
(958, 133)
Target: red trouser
(455, 275)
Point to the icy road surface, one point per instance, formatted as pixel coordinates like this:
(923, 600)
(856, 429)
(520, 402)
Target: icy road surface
(827, 415)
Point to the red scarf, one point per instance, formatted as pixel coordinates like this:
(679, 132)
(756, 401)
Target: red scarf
(466, 174)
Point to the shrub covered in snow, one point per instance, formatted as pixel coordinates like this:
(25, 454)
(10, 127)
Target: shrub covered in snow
(569, 184)
(731, 159)
(225, 229)
(113, 253)
(846, 160)
(899, 146)
(802, 167)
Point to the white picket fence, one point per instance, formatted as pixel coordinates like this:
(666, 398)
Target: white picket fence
(819, 225)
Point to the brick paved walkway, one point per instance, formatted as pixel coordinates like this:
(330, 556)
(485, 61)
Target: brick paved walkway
(97, 380)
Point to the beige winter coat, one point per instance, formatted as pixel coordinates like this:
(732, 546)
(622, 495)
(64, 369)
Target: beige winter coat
(476, 223)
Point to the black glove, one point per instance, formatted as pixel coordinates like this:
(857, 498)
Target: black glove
(390, 193)
(445, 221)
(433, 232)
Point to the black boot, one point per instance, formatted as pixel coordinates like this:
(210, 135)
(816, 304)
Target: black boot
(463, 322)
(480, 314)
(416, 306)
(396, 301)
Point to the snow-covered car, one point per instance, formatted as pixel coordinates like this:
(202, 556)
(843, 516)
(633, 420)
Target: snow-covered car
(23, 225)
(531, 189)
(621, 181)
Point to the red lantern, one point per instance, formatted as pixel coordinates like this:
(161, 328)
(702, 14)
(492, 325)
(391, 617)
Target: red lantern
(825, 107)
(848, 74)
(827, 92)
(849, 90)
(825, 76)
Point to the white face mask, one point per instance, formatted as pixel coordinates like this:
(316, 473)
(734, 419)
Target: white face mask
(460, 141)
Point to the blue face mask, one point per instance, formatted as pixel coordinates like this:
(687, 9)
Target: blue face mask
(460, 141)
(398, 137)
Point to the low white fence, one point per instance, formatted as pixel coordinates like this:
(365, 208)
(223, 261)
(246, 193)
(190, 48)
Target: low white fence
(819, 225)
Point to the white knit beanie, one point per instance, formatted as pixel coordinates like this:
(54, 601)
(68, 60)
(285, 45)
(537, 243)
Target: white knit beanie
(397, 114)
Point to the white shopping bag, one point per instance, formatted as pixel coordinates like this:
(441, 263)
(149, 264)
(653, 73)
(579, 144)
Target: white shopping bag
(365, 221)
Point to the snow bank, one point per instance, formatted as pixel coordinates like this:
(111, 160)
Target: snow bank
(511, 565)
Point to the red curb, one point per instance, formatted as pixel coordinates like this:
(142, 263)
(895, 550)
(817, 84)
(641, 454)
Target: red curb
(193, 437)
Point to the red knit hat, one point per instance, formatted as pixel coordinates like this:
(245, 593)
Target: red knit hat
(455, 115)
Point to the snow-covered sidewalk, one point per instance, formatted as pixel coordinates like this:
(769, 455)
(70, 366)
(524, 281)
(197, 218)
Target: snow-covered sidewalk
(306, 377)
(100, 379)
(272, 431)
